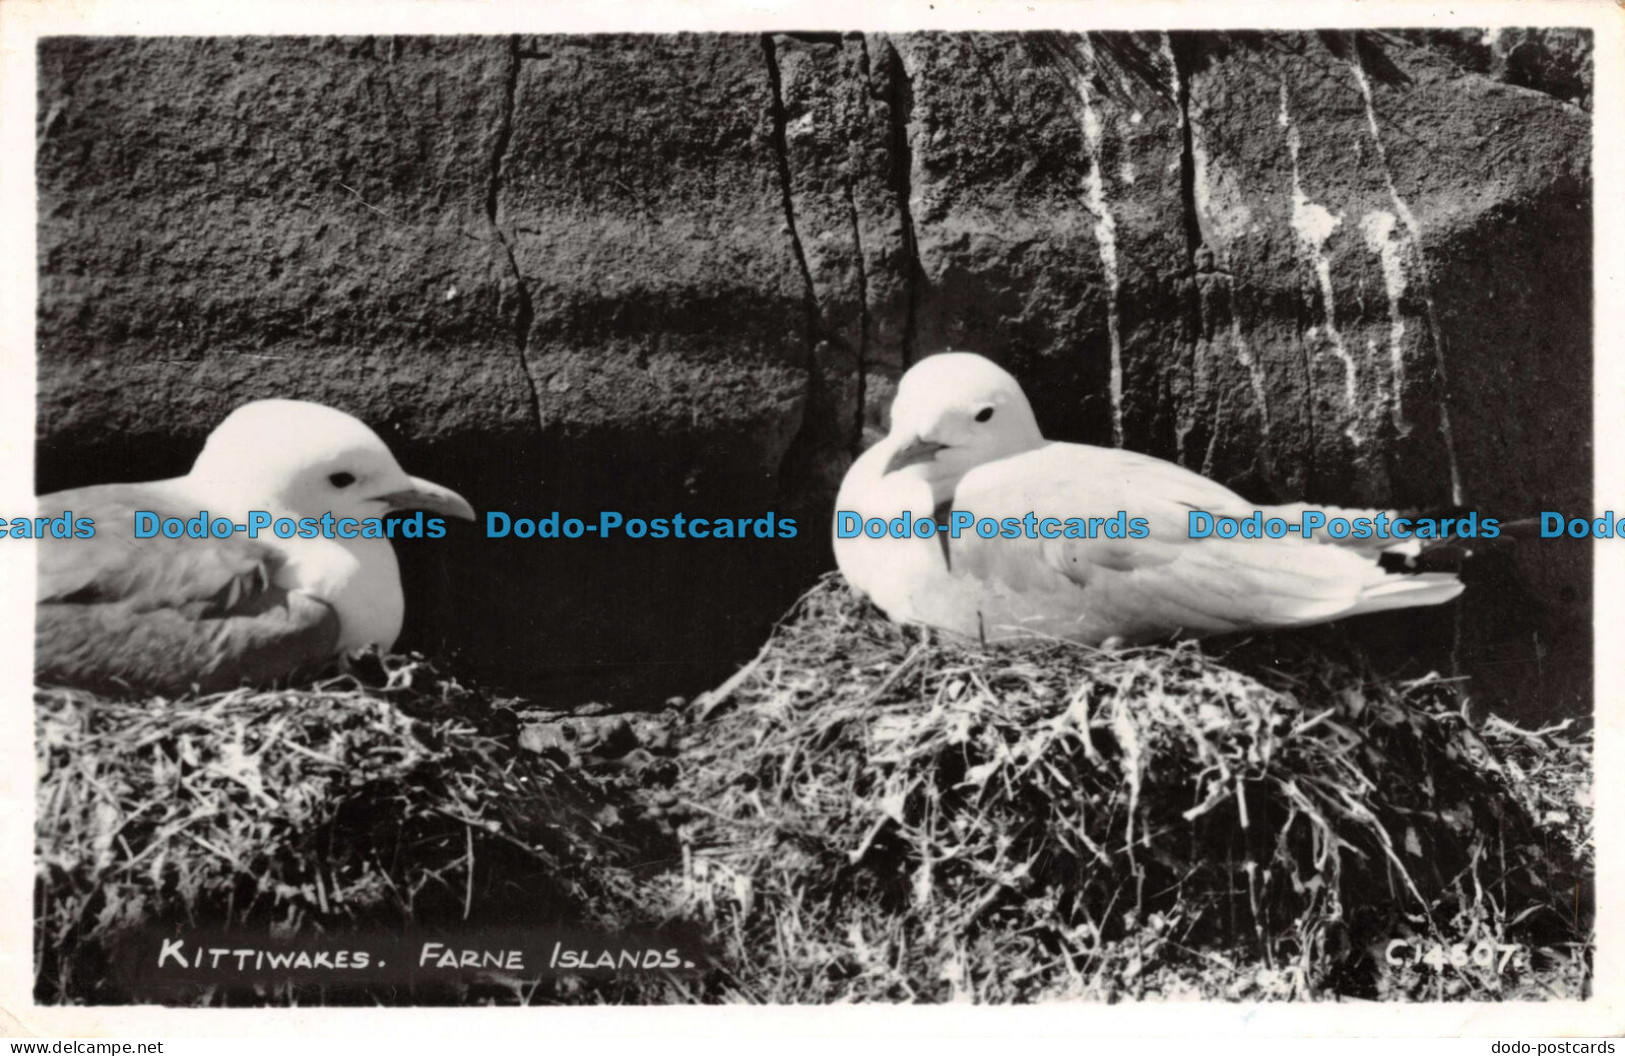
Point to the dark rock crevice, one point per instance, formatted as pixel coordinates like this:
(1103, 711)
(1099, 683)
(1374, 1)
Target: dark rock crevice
(524, 316)
(863, 324)
(900, 104)
(504, 138)
(1310, 447)
(1302, 319)
(779, 122)
(1194, 413)
(867, 68)
(781, 156)
(1180, 58)
(525, 310)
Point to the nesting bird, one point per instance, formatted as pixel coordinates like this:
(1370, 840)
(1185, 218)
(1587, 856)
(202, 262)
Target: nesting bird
(963, 437)
(168, 615)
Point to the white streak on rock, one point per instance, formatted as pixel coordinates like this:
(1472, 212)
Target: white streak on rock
(1314, 225)
(1226, 224)
(1255, 371)
(1222, 210)
(1413, 231)
(1378, 228)
(1186, 422)
(1105, 234)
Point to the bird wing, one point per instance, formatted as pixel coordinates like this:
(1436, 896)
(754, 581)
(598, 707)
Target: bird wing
(1166, 582)
(1189, 490)
(166, 615)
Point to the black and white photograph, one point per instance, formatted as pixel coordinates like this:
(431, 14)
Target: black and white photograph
(724, 515)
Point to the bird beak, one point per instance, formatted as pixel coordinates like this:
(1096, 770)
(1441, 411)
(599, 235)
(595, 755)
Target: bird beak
(425, 495)
(913, 453)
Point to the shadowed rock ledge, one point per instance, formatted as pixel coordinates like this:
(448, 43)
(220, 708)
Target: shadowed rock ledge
(661, 273)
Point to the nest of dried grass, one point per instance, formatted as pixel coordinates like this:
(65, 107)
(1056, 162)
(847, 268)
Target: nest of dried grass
(884, 814)
(333, 809)
(866, 812)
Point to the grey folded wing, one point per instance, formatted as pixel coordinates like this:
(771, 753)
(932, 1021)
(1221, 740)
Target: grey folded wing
(163, 615)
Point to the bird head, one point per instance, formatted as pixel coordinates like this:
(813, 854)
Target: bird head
(303, 459)
(954, 412)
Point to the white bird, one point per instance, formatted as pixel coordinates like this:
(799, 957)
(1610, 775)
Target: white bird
(167, 615)
(964, 437)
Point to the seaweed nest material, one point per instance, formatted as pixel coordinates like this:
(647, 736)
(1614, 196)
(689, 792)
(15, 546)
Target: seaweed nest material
(884, 814)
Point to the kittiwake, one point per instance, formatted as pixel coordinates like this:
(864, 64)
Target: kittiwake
(168, 615)
(963, 437)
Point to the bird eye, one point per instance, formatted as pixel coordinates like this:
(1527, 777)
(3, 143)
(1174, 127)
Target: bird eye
(341, 480)
(984, 414)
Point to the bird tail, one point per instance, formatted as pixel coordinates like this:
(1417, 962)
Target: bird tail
(1403, 592)
(1448, 553)
(1453, 552)
(1293, 512)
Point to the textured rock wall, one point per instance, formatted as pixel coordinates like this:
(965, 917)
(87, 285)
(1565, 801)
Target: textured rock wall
(661, 273)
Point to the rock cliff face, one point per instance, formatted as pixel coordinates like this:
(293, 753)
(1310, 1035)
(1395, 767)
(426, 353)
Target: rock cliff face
(683, 273)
